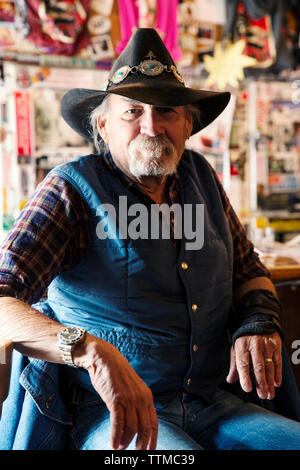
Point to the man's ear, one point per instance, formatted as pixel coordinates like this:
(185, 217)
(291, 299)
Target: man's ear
(188, 127)
(101, 124)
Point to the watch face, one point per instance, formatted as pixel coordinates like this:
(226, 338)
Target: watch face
(71, 335)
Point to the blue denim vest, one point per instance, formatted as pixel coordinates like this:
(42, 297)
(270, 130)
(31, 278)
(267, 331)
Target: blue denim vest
(152, 303)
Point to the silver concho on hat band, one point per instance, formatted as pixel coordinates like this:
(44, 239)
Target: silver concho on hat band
(120, 74)
(150, 67)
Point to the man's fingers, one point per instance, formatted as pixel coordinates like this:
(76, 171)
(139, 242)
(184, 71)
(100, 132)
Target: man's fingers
(264, 354)
(117, 426)
(145, 429)
(148, 426)
(242, 365)
(277, 357)
(130, 426)
(154, 429)
(269, 355)
(128, 399)
(263, 372)
(270, 377)
(232, 375)
(126, 422)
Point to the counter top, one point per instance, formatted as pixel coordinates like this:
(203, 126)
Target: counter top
(284, 273)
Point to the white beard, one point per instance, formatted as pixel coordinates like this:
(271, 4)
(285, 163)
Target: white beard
(152, 156)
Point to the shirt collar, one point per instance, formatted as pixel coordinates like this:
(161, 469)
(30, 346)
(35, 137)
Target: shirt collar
(172, 180)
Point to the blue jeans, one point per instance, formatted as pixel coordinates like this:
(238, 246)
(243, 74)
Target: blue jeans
(187, 423)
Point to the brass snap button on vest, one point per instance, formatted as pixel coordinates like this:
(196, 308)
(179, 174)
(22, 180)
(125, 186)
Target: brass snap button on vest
(194, 307)
(49, 401)
(189, 381)
(195, 347)
(184, 265)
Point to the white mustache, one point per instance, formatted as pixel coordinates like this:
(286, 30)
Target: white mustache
(153, 147)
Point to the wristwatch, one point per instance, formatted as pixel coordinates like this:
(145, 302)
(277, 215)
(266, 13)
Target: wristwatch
(67, 340)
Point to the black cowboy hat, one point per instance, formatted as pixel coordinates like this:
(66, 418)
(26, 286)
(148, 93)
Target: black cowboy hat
(144, 72)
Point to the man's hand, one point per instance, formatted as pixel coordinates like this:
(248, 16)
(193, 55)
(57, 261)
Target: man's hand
(126, 396)
(264, 353)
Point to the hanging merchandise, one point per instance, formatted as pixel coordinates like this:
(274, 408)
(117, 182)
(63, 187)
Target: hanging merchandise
(158, 14)
(7, 24)
(257, 34)
(226, 67)
(166, 25)
(147, 13)
(7, 12)
(58, 27)
(196, 35)
(99, 30)
(271, 29)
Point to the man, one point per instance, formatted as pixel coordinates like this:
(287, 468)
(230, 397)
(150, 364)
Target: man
(133, 336)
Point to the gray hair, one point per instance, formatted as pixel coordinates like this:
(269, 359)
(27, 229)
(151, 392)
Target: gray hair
(194, 112)
(191, 111)
(100, 110)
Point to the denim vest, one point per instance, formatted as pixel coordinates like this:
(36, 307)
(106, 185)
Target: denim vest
(166, 311)
(138, 295)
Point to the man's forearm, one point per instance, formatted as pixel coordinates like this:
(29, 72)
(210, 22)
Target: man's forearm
(257, 309)
(256, 283)
(31, 332)
(122, 390)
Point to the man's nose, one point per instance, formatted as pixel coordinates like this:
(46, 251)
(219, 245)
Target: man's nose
(151, 123)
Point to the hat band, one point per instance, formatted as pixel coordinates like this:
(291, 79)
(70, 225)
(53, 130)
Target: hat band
(149, 67)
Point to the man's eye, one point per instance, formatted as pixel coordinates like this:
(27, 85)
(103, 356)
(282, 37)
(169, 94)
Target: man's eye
(132, 111)
(166, 110)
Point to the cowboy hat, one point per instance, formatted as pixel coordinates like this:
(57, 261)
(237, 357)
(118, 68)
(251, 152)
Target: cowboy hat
(146, 72)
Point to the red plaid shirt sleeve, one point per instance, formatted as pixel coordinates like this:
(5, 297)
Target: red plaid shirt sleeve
(246, 262)
(49, 236)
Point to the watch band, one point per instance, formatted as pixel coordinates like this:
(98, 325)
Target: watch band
(66, 354)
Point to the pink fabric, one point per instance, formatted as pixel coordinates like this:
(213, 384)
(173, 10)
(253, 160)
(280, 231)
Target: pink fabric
(166, 24)
(128, 14)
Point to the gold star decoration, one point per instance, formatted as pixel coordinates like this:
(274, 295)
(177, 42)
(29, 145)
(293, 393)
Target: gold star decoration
(226, 67)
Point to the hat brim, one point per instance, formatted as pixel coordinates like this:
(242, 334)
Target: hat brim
(78, 103)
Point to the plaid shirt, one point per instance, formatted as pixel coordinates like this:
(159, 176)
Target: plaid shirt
(51, 235)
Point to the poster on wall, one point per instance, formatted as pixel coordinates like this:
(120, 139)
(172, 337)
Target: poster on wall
(34, 136)
(23, 126)
(284, 148)
(25, 169)
(278, 145)
(8, 24)
(214, 139)
(43, 88)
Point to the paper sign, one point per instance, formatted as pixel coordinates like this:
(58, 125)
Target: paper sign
(23, 123)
